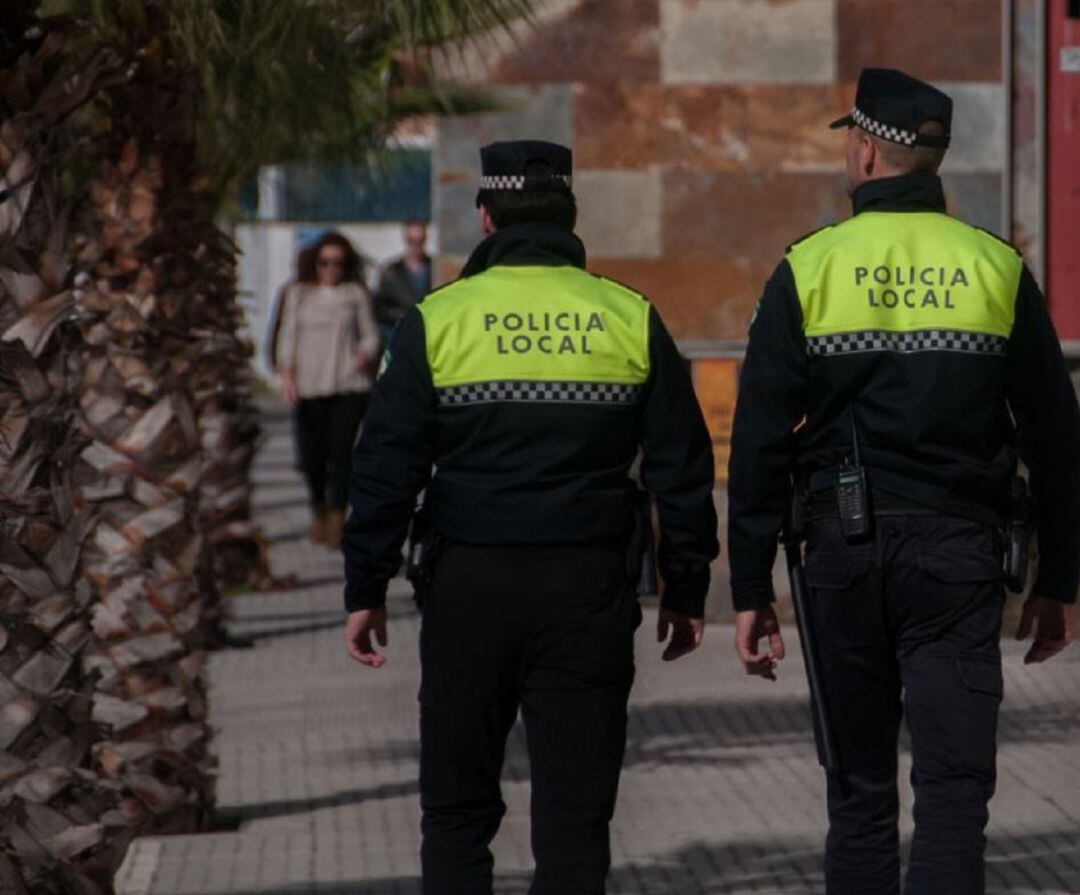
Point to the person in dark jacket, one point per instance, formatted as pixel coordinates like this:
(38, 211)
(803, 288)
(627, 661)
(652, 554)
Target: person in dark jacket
(907, 347)
(404, 281)
(530, 386)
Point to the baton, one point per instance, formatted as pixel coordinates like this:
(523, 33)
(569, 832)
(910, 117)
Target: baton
(811, 657)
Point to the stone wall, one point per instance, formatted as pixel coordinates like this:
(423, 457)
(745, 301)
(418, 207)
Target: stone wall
(699, 130)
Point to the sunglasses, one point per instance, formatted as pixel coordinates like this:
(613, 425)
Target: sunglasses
(330, 262)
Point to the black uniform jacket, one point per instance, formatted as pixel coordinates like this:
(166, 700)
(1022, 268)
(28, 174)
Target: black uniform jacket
(939, 428)
(507, 473)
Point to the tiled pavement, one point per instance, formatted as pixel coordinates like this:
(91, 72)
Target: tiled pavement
(720, 794)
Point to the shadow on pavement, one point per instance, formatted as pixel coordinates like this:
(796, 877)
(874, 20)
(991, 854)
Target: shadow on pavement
(689, 733)
(1040, 862)
(1048, 722)
(241, 813)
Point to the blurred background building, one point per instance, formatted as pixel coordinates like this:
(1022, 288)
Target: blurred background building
(701, 148)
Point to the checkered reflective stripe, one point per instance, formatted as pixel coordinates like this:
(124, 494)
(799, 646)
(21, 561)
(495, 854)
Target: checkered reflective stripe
(607, 393)
(906, 342)
(885, 131)
(515, 182)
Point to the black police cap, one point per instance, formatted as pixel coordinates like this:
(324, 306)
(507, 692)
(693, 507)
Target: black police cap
(513, 165)
(893, 105)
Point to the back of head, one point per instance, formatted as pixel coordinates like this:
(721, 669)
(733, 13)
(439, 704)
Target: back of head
(550, 207)
(901, 159)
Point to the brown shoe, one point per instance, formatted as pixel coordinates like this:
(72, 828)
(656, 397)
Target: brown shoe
(335, 520)
(318, 525)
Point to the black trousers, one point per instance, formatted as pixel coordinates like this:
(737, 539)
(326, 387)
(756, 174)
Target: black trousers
(909, 623)
(549, 631)
(325, 433)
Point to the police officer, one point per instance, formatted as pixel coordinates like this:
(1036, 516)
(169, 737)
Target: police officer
(530, 386)
(927, 344)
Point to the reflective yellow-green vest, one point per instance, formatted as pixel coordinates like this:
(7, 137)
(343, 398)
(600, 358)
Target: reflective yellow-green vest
(905, 282)
(536, 333)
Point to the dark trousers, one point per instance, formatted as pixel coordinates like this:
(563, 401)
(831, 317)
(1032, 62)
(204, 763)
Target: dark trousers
(325, 433)
(549, 631)
(909, 623)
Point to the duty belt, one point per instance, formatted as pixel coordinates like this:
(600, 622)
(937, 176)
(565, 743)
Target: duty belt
(822, 504)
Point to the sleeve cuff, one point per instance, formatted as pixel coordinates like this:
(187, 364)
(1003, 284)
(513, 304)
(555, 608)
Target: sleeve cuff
(752, 595)
(369, 596)
(691, 605)
(1053, 588)
(686, 596)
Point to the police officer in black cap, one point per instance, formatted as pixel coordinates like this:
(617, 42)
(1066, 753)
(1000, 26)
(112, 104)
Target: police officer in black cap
(530, 386)
(898, 364)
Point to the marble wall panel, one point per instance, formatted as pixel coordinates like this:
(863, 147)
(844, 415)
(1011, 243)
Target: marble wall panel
(975, 198)
(746, 127)
(957, 40)
(708, 299)
(736, 41)
(746, 217)
(619, 212)
(619, 125)
(594, 41)
(535, 112)
(530, 112)
(455, 211)
(978, 127)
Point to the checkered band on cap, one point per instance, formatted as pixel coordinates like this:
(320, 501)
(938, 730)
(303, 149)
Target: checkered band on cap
(906, 342)
(885, 131)
(602, 393)
(518, 181)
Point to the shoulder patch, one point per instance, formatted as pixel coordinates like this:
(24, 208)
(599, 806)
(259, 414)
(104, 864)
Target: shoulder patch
(809, 235)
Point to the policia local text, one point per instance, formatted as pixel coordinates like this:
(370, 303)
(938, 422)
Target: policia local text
(915, 278)
(565, 332)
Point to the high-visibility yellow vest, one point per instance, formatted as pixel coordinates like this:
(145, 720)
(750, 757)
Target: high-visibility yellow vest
(905, 281)
(536, 333)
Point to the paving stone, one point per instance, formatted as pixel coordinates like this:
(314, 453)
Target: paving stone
(721, 792)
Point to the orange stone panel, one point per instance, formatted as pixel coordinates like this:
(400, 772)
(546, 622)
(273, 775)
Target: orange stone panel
(959, 40)
(696, 299)
(716, 384)
(708, 127)
(752, 127)
(748, 217)
(597, 41)
(619, 126)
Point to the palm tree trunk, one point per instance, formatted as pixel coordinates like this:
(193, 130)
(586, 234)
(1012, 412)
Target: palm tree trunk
(143, 472)
(58, 810)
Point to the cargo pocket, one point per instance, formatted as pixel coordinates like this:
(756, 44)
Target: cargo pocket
(981, 676)
(835, 571)
(968, 567)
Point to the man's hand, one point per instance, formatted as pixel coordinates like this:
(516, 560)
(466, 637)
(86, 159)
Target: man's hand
(750, 627)
(686, 633)
(358, 629)
(1054, 624)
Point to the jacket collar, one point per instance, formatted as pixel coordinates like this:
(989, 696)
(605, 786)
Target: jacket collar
(527, 244)
(920, 191)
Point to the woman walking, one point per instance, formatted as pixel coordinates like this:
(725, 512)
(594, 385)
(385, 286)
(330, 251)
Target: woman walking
(327, 346)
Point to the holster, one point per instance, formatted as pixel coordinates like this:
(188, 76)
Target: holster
(641, 568)
(425, 546)
(1018, 528)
